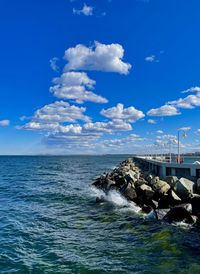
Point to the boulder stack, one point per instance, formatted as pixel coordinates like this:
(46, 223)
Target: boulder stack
(171, 199)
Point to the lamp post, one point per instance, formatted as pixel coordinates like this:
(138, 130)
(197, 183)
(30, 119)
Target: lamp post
(184, 135)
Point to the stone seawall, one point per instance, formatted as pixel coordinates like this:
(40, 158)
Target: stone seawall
(171, 199)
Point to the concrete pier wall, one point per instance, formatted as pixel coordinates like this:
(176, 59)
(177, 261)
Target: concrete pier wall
(163, 169)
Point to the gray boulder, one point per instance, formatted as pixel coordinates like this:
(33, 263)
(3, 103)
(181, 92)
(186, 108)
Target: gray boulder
(161, 187)
(178, 214)
(130, 192)
(149, 178)
(146, 191)
(184, 188)
(161, 213)
(154, 180)
(171, 180)
(195, 201)
(131, 175)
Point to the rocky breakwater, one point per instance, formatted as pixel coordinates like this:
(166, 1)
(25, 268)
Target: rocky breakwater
(171, 199)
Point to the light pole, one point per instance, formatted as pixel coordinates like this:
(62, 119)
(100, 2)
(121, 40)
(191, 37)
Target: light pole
(184, 135)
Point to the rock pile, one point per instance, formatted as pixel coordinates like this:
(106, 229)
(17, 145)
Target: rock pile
(171, 199)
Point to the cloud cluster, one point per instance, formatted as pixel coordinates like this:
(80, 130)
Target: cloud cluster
(165, 110)
(86, 10)
(172, 108)
(130, 114)
(52, 118)
(151, 59)
(99, 57)
(191, 101)
(76, 86)
(67, 124)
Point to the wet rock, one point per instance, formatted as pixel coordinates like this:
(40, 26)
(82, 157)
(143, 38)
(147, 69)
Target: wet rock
(169, 199)
(178, 214)
(119, 180)
(161, 213)
(100, 199)
(187, 206)
(108, 183)
(130, 192)
(146, 209)
(184, 188)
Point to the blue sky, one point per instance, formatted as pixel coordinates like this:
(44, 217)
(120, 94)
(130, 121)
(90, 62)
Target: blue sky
(98, 76)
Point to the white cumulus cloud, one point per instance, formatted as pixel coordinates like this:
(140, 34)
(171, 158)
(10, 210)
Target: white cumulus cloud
(165, 110)
(107, 127)
(76, 86)
(100, 57)
(119, 112)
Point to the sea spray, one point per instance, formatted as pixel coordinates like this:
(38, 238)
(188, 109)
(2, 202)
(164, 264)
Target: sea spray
(117, 199)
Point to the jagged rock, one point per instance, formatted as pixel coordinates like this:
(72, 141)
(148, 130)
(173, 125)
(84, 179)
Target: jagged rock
(100, 199)
(178, 214)
(154, 180)
(174, 197)
(161, 213)
(169, 199)
(97, 183)
(171, 180)
(140, 182)
(153, 204)
(164, 201)
(195, 201)
(184, 188)
(149, 178)
(131, 175)
(108, 183)
(146, 191)
(146, 209)
(198, 186)
(130, 192)
(161, 187)
(187, 206)
(119, 180)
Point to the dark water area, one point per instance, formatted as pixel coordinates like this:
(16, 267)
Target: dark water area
(50, 223)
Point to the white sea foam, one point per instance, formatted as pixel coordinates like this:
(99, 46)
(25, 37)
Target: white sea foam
(182, 225)
(118, 200)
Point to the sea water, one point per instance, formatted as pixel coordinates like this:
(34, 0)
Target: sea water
(50, 223)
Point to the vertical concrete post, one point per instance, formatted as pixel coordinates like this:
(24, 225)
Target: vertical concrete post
(173, 171)
(193, 171)
(162, 171)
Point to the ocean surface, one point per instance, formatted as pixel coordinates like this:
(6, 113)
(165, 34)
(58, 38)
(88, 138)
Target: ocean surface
(50, 223)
